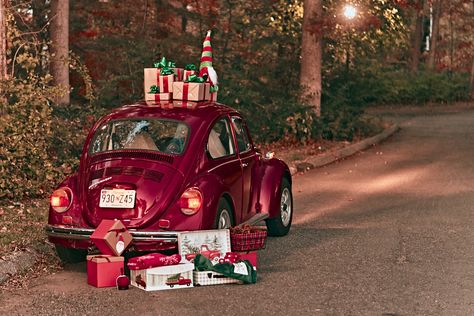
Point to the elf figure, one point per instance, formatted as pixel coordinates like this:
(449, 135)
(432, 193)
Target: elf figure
(120, 246)
(205, 68)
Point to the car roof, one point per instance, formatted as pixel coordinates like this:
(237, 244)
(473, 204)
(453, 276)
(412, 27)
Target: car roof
(187, 111)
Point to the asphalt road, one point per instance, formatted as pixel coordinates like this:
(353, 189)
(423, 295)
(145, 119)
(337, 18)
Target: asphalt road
(388, 231)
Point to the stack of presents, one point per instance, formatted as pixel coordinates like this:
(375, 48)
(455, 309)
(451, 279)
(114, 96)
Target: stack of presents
(205, 257)
(166, 82)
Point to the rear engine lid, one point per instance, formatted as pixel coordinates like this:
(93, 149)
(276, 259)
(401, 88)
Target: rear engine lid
(134, 191)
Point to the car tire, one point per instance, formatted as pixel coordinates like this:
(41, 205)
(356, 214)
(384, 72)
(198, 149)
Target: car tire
(70, 255)
(280, 225)
(224, 218)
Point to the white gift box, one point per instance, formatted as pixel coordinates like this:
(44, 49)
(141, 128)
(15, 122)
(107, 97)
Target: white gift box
(163, 278)
(202, 278)
(213, 244)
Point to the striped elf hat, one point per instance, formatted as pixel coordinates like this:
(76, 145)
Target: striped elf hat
(206, 56)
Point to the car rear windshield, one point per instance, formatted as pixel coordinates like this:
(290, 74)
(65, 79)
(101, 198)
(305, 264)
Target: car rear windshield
(141, 134)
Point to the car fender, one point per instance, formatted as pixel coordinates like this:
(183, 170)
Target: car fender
(212, 189)
(75, 211)
(268, 179)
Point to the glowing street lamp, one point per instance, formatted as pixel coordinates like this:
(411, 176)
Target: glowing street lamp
(349, 11)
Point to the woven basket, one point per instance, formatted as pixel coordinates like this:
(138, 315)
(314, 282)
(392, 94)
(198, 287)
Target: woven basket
(255, 239)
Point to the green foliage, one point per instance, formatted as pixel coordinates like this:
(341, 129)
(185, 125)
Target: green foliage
(256, 47)
(39, 142)
(374, 84)
(26, 167)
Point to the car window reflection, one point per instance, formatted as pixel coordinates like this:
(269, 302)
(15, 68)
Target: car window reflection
(141, 134)
(220, 143)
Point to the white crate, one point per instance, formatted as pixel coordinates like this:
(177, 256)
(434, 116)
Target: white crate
(163, 278)
(212, 278)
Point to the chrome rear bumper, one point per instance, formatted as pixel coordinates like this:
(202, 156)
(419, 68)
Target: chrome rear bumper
(76, 233)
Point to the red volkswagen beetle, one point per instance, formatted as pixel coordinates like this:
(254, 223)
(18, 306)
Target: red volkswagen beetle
(167, 167)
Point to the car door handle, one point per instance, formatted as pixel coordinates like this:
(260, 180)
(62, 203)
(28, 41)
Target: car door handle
(244, 164)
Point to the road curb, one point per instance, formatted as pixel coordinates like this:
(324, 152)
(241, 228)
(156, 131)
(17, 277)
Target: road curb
(17, 262)
(328, 158)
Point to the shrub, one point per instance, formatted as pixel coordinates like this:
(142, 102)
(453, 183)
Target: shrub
(26, 164)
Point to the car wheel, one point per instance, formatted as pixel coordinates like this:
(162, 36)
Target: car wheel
(70, 255)
(224, 215)
(280, 225)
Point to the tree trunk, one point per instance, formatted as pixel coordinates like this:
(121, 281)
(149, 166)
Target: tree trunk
(311, 54)
(434, 33)
(472, 79)
(59, 31)
(472, 57)
(3, 40)
(417, 35)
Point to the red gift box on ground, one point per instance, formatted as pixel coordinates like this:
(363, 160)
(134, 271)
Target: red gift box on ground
(102, 270)
(251, 256)
(158, 96)
(111, 237)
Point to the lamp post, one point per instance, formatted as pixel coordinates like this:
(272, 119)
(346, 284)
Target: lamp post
(350, 12)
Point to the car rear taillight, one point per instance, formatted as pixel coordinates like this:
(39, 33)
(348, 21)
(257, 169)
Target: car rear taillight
(190, 201)
(61, 200)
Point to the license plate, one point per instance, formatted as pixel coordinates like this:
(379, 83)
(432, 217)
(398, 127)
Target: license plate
(117, 198)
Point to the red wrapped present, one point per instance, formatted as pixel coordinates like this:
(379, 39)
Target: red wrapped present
(189, 70)
(251, 256)
(152, 260)
(188, 91)
(166, 83)
(151, 78)
(188, 73)
(209, 94)
(178, 74)
(247, 238)
(111, 237)
(103, 270)
(234, 257)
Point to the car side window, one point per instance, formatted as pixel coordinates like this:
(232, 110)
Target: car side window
(219, 143)
(241, 135)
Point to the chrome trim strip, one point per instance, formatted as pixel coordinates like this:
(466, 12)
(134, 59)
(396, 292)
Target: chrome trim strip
(85, 233)
(223, 164)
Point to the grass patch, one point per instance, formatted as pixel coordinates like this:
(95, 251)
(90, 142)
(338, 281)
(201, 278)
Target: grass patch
(22, 225)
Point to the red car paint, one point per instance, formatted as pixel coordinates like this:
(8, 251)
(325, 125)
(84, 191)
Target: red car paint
(250, 182)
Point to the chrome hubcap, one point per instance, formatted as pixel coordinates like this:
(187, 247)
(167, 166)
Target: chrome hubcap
(285, 207)
(224, 220)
